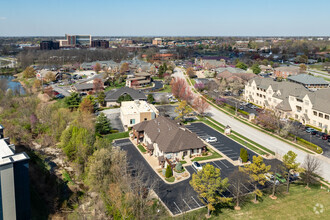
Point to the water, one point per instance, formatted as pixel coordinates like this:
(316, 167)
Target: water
(6, 82)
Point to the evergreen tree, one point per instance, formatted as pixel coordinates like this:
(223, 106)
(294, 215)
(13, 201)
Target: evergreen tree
(102, 124)
(244, 155)
(73, 100)
(125, 97)
(150, 98)
(101, 98)
(168, 172)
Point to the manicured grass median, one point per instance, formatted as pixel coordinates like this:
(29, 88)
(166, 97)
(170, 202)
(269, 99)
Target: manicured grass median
(115, 136)
(215, 155)
(141, 148)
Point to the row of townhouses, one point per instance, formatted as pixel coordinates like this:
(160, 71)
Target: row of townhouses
(291, 100)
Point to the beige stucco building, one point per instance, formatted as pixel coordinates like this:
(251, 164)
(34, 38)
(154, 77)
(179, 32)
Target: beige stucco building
(134, 112)
(291, 100)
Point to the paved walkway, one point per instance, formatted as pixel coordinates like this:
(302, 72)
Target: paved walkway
(274, 144)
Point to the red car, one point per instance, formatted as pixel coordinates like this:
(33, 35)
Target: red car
(55, 93)
(325, 136)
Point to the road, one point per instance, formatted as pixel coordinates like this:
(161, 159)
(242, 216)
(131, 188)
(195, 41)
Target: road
(319, 73)
(12, 63)
(274, 144)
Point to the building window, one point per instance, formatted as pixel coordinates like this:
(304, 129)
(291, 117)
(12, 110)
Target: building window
(315, 113)
(132, 121)
(320, 115)
(145, 119)
(326, 117)
(306, 102)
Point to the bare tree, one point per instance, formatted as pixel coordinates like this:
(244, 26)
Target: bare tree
(238, 180)
(311, 166)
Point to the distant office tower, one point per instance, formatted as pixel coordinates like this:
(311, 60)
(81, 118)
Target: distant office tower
(100, 43)
(14, 182)
(76, 40)
(49, 45)
(157, 41)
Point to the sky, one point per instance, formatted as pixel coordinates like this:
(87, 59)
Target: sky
(165, 17)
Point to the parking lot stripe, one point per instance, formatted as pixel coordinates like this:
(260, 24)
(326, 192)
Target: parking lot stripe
(186, 204)
(226, 151)
(196, 202)
(229, 191)
(223, 163)
(216, 165)
(194, 169)
(177, 207)
(246, 187)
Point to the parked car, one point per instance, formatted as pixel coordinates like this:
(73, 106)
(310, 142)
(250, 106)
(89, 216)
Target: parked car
(197, 166)
(314, 132)
(59, 96)
(55, 93)
(241, 108)
(309, 130)
(280, 178)
(211, 139)
(325, 136)
(270, 178)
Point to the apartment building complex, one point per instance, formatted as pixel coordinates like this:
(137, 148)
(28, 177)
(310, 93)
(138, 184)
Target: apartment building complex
(291, 100)
(14, 181)
(134, 112)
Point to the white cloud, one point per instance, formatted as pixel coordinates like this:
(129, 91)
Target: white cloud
(3, 18)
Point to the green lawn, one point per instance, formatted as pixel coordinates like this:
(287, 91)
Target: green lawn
(141, 148)
(299, 204)
(115, 136)
(171, 179)
(183, 162)
(166, 88)
(215, 155)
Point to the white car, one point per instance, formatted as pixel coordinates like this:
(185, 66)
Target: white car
(211, 139)
(197, 166)
(270, 178)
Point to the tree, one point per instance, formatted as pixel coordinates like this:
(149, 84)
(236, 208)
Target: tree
(86, 106)
(255, 68)
(256, 171)
(311, 166)
(199, 86)
(302, 67)
(150, 98)
(290, 165)
(237, 179)
(101, 97)
(102, 124)
(201, 105)
(124, 97)
(168, 172)
(73, 100)
(178, 167)
(209, 185)
(183, 110)
(97, 67)
(162, 70)
(191, 72)
(124, 68)
(178, 86)
(241, 65)
(244, 155)
(50, 76)
(98, 85)
(29, 72)
(37, 84)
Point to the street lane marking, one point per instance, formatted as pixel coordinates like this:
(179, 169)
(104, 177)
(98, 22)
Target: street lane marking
(186, 204)
(177, 207)
(196, 201)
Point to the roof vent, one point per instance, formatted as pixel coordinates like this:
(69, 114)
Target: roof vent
(158, 130)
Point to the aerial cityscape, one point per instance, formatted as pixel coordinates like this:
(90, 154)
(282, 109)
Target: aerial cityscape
(164, 110)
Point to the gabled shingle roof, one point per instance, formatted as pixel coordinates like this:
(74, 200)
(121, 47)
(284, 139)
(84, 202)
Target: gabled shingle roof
(170, 136)
(114, 94)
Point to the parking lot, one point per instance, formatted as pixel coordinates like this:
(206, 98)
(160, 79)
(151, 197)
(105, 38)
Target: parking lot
(324, 144)
(114, 116)
(180, 197)
(167, 110)
(227, 146)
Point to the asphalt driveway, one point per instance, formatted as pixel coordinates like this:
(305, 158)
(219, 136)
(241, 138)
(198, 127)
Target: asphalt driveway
(227, 146)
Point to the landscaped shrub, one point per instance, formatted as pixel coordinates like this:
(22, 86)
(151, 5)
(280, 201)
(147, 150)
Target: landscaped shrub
(168, 172)
(244, 155)
(178, 167)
